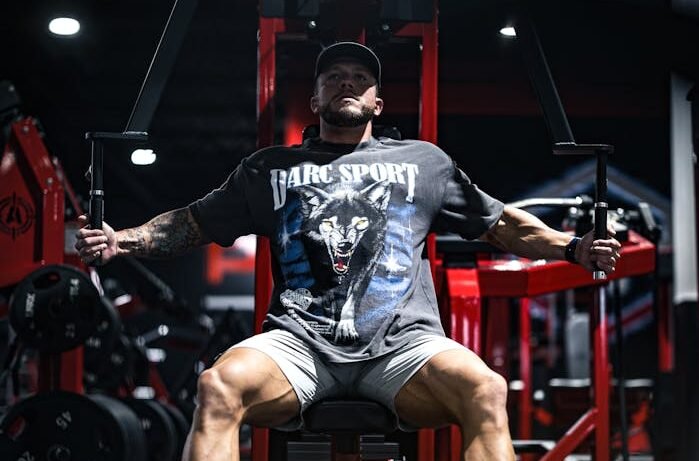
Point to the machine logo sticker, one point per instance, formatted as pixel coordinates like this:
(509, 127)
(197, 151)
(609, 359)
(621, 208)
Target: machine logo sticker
(16, 215)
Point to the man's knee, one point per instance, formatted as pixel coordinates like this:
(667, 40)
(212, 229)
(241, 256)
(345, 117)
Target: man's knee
(490, 400)
(219, 393)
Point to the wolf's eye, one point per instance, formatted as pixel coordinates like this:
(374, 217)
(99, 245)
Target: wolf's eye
(327, 225)
(361, 223)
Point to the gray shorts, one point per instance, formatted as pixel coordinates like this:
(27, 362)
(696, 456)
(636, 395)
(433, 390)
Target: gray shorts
(377, 379)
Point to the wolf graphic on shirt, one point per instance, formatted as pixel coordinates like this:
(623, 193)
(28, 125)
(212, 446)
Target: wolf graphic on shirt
(347, 228)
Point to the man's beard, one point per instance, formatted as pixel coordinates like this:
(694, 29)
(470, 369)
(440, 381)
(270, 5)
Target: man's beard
(344, 117)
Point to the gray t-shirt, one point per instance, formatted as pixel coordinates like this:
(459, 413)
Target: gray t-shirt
(347, 226)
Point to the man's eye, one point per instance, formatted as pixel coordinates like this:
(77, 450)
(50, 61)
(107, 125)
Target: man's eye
(361, 77)
(333, 77)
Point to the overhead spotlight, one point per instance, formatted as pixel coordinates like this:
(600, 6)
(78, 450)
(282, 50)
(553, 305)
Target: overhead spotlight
(508, 31)
(64, 26)
(143, 157)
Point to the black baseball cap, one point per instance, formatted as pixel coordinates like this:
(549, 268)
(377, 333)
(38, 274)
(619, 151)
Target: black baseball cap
(351, 50)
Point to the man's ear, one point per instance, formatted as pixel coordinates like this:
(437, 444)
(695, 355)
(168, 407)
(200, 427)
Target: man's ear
(314, 104)
(379, 107)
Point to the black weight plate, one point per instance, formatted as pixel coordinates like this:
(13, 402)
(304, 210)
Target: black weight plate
(65, 426)
(181, 426)
(161, 434)
(111, 372)
(54, 309)
(133, 429)
(100, 343)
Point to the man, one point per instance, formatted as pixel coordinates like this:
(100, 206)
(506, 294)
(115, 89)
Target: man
(353, 311)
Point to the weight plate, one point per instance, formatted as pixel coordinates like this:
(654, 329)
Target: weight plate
(62, 426)
(111, 372)
(181, 425)
(161, 434)
(54, 309)
(100, 343)
(132, 427)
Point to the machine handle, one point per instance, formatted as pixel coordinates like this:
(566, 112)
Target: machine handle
(96, 185)
(96, 210)
(601, 205)
(601, 221)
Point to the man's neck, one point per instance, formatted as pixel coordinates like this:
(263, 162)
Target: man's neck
(344, 135)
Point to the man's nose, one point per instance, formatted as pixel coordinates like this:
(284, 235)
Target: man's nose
(346, 82)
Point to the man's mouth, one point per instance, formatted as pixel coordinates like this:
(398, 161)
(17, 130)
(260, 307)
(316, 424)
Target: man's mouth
(347, 96)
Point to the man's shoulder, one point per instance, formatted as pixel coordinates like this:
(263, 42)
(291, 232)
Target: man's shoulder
(261, 156)
(272, 150)
(418, 145)
(404, 142)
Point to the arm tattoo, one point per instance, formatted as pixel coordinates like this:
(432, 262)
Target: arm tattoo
(166, 235)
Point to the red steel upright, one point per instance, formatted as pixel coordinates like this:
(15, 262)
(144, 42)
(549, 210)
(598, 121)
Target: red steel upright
(460, 307)
(32, 203)
(428, 34)
(525, 370)
(266, 81)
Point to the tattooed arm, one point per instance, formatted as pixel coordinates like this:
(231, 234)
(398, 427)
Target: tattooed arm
(166, 235)
(169, 234)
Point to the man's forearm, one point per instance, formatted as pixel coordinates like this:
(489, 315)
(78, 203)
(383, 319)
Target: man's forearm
(169, 234)
(525, 235)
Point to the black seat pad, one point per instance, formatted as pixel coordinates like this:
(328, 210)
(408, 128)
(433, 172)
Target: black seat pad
(361, 416)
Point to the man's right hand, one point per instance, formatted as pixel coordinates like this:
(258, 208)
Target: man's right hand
(98, 245)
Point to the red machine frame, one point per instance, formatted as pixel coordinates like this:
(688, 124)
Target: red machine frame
(461, 293)
(27, 171)
(36, 179)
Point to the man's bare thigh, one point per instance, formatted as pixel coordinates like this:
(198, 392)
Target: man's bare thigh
(267, 395)
(432, 395)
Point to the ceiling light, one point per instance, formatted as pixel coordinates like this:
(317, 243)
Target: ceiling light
(64, 26)
(508, 31)
(143, 157)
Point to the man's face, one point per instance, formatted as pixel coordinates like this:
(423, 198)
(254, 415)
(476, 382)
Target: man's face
(346, 95)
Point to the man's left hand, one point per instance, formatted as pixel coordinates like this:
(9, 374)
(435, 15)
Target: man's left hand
(602, 254)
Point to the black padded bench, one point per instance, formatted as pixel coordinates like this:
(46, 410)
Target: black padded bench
(345, 421)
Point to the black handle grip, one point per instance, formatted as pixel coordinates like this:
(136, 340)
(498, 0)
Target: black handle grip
(96, 211)
(96, 185)
(600, 223)
(96, 216)
(600, 231)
